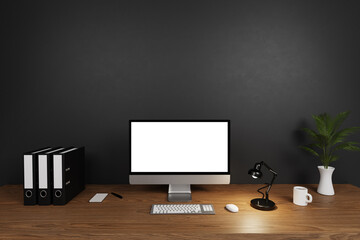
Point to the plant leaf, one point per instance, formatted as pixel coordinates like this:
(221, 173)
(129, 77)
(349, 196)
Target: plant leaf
(339, 119)
(308, 149)
(350, 146)
(328, 124)
(313, 145)
(333, 158)
(311, 133)
(342, 134)
(320, 123)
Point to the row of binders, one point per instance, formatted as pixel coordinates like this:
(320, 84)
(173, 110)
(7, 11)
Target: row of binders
(53, 175)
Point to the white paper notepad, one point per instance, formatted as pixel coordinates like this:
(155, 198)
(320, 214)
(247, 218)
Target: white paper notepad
(99, 197)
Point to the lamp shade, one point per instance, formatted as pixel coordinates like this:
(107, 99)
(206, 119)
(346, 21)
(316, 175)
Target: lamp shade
(255, 173)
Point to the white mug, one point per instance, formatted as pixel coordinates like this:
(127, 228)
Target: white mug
(301, 196)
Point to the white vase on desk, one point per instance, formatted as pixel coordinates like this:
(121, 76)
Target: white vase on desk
(325, 185)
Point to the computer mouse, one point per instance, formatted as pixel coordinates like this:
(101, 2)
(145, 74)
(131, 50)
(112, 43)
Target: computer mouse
(232, 208)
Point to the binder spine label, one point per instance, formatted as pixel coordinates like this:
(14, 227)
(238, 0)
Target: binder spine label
(58, 181)
(43, 172)
(28, 172)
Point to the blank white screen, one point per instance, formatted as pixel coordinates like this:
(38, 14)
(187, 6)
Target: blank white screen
(179, 146)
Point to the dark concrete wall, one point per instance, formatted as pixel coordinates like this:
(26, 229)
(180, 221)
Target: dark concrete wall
(75, 72)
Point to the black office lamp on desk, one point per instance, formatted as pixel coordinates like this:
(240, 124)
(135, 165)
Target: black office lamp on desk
(263, 203)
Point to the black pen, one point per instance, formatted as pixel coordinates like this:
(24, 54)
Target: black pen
(116, 195)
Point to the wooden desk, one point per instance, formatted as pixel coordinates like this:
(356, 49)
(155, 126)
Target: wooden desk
(327, 217)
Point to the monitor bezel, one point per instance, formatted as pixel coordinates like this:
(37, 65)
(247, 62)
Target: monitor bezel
(180, 173)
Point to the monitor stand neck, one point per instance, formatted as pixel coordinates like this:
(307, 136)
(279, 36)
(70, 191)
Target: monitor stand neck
(179, 193)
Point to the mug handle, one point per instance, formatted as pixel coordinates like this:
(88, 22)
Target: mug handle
(310, 198)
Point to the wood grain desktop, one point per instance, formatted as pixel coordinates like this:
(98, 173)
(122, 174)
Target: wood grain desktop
(327, 217)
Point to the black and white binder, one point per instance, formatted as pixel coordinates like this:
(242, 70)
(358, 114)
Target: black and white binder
(69, 174)
(45, 170)
(31, 175)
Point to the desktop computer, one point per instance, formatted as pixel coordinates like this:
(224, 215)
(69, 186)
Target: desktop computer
(179, 153)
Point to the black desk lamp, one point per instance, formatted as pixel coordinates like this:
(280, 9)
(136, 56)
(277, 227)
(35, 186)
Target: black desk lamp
(262, 203)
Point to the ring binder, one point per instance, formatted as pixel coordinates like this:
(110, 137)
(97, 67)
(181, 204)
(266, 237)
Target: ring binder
(31, 176)
(69, 178)
(45, 161)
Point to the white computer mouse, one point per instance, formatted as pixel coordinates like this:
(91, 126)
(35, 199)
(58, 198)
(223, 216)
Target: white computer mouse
(232, 208)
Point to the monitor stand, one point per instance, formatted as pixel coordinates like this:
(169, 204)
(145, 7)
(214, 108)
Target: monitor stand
(179, 193)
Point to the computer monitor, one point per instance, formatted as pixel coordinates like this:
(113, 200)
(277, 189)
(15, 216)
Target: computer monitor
(179, 153)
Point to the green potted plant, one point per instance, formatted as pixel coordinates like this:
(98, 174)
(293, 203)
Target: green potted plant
(326, 141)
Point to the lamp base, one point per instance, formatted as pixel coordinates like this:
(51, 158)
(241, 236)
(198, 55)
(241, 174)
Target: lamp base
(263, 204)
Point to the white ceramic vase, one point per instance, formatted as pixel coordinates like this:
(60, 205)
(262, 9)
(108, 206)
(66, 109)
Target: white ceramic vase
(325, 185)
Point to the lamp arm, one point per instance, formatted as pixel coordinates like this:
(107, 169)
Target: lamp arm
(272, 180)
(270, 185)
(263, 195)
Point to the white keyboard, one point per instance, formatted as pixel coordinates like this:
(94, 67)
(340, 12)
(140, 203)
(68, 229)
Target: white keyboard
(182, 209)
